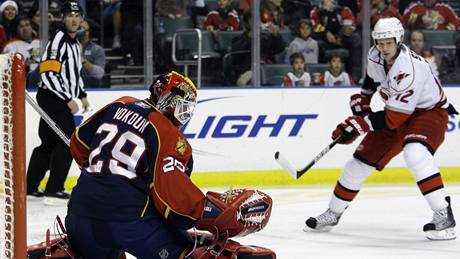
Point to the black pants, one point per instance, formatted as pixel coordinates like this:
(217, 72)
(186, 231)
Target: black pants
(53, 154)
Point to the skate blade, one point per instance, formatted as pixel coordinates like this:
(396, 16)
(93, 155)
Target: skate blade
(49, 201)
(319, 229)
(446, 234)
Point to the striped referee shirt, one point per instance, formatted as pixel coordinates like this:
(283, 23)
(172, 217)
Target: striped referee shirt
(60, 67)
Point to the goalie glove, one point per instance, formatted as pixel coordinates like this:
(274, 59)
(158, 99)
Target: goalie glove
(237, 212)
(360, 104)
(350, 129)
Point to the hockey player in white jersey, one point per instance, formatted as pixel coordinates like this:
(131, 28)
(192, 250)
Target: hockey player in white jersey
(414, 121)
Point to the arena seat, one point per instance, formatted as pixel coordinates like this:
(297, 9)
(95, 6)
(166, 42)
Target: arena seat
(314, 68)
(187, 45)
(273, 73)
(225, 40)
(166, 26)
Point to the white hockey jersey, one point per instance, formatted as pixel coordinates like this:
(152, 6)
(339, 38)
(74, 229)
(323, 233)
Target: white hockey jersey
(28, 50)
(410, 83)
(290, 79)
(342, 79)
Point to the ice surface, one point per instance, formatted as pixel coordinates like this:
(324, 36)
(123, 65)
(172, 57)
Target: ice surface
(382, 222)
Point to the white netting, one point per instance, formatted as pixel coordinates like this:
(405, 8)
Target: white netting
(6, 159)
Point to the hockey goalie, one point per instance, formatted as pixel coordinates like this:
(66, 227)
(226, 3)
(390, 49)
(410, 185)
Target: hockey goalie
(135, 195)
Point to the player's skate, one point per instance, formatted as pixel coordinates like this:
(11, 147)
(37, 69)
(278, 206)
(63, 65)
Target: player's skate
(442, 225)
(323, 222)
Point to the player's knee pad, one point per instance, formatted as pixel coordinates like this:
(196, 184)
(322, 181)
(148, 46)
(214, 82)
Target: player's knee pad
(354, 174)
(419, 161)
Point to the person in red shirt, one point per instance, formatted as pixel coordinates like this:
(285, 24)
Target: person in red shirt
(223, 19)
(430, 15)
(381, 9)
(335, 27)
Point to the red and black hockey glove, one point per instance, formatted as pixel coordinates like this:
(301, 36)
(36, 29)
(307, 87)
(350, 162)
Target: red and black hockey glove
(360, 104)
(351, 128)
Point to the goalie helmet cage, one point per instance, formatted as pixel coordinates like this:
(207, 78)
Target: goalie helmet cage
(13, 236)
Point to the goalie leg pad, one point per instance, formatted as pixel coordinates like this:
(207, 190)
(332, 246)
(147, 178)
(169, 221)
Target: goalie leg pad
(229, 249)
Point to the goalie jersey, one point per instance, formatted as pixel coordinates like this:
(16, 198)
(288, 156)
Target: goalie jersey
(134, 162)
(409, 85)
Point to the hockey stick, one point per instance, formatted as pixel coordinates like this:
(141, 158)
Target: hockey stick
(47, 119)
(296, 174)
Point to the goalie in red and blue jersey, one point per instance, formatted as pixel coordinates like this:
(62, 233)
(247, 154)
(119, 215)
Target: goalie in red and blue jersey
(134, 193)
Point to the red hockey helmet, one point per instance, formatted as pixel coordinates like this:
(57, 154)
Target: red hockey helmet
(175, 96)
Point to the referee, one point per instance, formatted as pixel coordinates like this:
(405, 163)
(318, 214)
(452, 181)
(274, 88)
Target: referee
(61, 84)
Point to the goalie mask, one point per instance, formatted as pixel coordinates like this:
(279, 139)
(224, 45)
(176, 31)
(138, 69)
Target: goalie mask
(175, 96)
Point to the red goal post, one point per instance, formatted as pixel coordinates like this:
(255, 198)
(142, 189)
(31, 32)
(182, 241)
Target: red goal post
(13, 235)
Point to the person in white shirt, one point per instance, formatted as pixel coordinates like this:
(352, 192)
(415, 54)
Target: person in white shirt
(413, 121)
(298, 76)
(304, 43)
(335, 76)
(25, 43)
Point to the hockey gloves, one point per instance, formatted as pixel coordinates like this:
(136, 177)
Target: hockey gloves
(237, 212)
(359, 104)
(350, 129)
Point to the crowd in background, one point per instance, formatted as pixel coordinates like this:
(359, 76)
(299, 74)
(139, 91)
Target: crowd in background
(319, 42)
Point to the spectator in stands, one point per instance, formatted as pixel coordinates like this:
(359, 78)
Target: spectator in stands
(244, 6)
(430, 15)
(223, 19)
(352, 4)
(171, 8)
(34, 15)
(335, 27)
(304, 43)
(381, 9)
(270, 41)
(9, 11)
(198, 8)
(296, 10)
(335, 76)
(271, 12)
(112, 11)
(449, 70)
(2, 38)
(132, 33)
(394, 3)
(417, 44)
(25, 43)
(298, 76)
(93, 58)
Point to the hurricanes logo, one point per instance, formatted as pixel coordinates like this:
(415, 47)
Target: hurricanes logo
(181, 146)
(400, 76)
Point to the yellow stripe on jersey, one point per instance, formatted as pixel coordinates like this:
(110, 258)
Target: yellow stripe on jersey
(50, 65)
(166, 214)
(146, 206)
(79, 140)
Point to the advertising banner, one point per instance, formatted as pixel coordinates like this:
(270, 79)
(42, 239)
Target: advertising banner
(241, 129)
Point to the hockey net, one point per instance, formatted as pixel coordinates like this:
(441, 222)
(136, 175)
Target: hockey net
(12, 158)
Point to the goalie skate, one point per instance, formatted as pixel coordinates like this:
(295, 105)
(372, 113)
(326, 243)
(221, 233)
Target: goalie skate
(442, 225)
(322, 223)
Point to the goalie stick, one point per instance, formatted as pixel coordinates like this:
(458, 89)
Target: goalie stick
(47, 119)
(296, 174)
